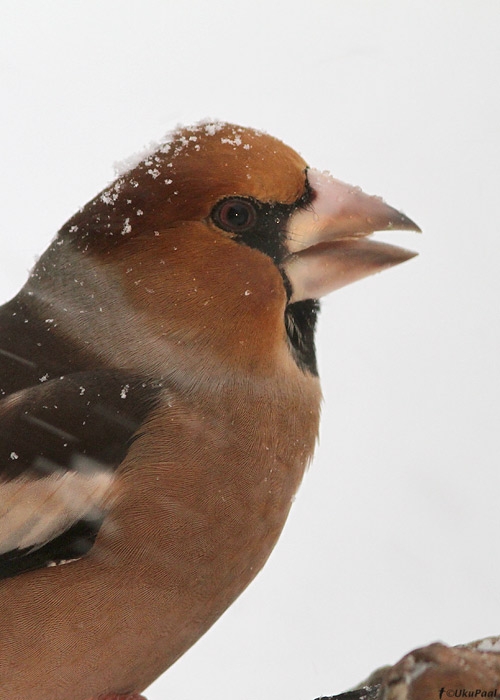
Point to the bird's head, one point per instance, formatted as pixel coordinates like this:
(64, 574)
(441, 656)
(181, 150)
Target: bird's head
(223, 236)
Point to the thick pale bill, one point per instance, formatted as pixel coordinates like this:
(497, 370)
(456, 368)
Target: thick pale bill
(328, 242)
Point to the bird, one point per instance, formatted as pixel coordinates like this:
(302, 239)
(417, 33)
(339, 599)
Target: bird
(160, 400)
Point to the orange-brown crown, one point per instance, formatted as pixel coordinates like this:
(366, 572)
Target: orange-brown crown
(184, 178)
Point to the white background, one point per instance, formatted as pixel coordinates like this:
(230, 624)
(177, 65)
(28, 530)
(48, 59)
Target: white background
(392, 540)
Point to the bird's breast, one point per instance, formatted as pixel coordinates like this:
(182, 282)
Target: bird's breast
(206, 507)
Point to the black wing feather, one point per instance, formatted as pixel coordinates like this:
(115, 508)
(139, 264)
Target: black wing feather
(60, 413)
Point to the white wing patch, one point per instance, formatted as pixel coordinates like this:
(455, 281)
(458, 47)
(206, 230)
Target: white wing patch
(34, 511)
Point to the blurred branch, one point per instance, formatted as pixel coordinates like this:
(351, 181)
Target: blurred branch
(436, 672)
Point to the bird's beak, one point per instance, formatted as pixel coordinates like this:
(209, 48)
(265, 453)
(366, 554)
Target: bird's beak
(327, 242)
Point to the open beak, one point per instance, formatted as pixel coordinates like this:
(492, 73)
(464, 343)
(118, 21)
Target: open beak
(327, 242)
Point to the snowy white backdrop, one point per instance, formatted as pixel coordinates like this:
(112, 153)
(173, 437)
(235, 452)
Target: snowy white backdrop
(392, 540)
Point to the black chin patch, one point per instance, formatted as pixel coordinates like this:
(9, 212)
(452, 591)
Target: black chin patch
(300, 324)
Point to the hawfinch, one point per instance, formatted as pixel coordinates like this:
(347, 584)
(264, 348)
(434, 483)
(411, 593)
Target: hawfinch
(159, 403)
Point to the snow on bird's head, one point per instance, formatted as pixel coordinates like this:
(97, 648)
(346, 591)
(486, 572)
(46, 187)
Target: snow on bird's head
(182, 178)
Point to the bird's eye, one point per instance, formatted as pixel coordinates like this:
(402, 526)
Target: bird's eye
(235, 215)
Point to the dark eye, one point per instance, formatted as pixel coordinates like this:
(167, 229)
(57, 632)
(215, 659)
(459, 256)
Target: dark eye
(235, 215)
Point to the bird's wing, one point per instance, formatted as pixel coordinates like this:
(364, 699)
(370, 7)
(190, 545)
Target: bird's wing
(60, 443)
